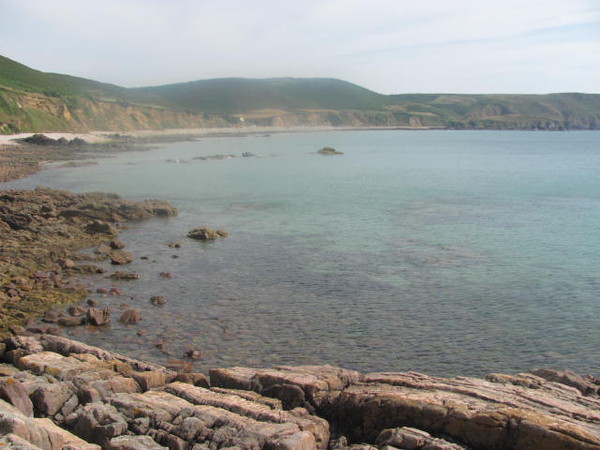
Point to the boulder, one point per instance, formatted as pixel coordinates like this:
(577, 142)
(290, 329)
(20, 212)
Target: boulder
(195, 378)
(39, 139)
(50, 399)
(193, 354)
(124, 276)
(130, 316)
(149, 379)
(206, 234)
(98, 316)
(13, 392)
(157, 300)
(306, 386)
(100, 227)
(98, 423)
(38, 433)
(117, 244)
(120, 257)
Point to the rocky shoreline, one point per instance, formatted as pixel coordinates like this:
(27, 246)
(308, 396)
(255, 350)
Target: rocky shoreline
(42, 235)
(56, 393)
(22, 156)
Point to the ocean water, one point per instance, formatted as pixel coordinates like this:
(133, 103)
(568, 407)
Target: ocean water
(445, 252)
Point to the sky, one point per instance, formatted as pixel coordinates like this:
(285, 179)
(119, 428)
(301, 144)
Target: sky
(389, 46)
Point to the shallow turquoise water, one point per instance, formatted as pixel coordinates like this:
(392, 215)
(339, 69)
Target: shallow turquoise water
(445, 252)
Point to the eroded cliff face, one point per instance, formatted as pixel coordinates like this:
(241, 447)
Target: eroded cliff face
(31, 112)
(22, 111)
(345, 119)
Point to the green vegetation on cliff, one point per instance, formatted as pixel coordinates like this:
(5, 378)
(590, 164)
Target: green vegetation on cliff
(31, 100)
(20, 77)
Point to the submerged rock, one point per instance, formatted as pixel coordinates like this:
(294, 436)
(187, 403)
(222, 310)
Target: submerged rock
(124, 276)
(158, 300)
(329, 151)
(131, 316)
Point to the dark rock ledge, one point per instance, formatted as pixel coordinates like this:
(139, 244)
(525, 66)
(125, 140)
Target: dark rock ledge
(56, 393)
(42, 232)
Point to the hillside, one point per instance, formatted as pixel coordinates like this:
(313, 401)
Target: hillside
(240, 95)
(567, 111)
(31, 100)
(20, 77)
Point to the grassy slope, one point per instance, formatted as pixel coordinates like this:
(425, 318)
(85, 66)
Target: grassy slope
(20, 77)
(240, 95)
(566, 110)
(302, 97)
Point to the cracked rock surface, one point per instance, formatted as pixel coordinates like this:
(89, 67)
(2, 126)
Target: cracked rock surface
(56, 393)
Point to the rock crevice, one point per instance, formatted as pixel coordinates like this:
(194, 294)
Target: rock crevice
(56, 393)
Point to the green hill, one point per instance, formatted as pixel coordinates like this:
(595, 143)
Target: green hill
(18, 76)
(240, 95)
(31, 100)
(502, 111)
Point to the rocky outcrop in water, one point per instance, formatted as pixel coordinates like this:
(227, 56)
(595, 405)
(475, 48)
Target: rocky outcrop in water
(41, 232)
(206, 234)
(329, 151)
(42, 139)
(57, 393)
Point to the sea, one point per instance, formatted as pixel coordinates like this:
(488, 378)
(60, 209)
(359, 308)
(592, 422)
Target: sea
(442, 252)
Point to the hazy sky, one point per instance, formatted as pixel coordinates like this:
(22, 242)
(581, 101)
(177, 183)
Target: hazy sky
(390, 46)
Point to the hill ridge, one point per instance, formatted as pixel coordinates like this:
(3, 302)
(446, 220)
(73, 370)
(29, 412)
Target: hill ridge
(31, 100)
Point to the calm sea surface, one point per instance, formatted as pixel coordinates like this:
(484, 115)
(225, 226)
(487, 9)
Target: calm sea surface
(445, 252)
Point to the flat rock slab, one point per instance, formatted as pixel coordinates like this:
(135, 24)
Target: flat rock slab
(305, 386)
(478, 413)
(85, 397)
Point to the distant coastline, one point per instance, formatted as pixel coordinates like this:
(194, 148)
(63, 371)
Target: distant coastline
(35, 101)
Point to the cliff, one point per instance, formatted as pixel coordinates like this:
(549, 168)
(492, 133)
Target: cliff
(30, 111)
